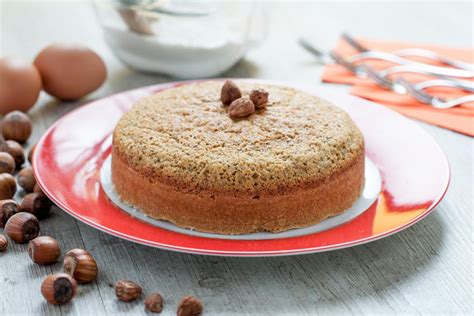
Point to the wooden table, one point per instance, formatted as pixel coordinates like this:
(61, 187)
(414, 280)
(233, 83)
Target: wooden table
(425, 269)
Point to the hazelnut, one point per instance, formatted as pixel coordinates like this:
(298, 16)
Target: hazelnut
(189, 306)
(259, 98)
(37, 189)
(58, 288)
(31, 153)
(44, 250)
(3, 143)
(22, 227)
(7, 186)
(154, 303)
(8, 208)
(26, 179)
(16, 126)
(7, 163)
(16, 151)
(230, 92)
(241, 108)
(37, 204)
(127, 291)
(3, 243)
(80, 264)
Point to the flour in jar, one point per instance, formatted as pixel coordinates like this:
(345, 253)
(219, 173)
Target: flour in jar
(185, 48)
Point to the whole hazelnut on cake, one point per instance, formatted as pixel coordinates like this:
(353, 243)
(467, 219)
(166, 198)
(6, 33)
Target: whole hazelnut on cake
(44, 250)
(58, 288)
(259, 98)
(16, 151)
(16, 126)
(241, 108)
(7, 163)
(230, 92)
(7, 186)
(80, 264)
(22, 227)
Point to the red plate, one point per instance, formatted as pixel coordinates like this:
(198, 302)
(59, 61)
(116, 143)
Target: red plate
(414, 170)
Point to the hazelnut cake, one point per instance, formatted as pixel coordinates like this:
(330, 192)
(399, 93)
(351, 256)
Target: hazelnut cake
(178, 156)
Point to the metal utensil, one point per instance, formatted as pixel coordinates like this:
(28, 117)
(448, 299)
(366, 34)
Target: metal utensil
(400, 86)
(393, 85)
(414, 52)
(435, 70)
(436, 102)
(350, 64)
(324, 57)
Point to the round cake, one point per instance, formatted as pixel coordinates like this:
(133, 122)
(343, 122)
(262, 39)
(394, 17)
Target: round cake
(178, 156)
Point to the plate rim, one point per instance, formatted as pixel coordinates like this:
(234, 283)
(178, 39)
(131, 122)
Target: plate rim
(231, 253)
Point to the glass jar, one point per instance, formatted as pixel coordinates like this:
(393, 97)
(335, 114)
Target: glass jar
(185, 39)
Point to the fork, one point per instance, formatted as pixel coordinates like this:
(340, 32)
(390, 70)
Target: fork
(381, 79)
(416, 52)
(436, 102)
(357, 70)
(328, 58)
(400, 86)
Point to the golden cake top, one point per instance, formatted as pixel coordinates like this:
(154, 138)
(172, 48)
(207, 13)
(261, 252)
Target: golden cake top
(183, 136)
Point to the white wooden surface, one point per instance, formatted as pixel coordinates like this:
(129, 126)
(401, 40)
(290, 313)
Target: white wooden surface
(426, 269)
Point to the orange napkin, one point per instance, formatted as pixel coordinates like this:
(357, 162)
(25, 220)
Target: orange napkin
(459, 119)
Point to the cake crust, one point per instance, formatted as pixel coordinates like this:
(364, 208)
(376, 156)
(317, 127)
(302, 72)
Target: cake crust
(177, 156)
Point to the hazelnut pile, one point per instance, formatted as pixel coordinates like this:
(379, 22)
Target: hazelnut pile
(21, 224)
(242, 106)
(128, 291)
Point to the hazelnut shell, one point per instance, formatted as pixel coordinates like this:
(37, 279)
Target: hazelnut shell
(7, 163)
(44, 250)
(31, 153)
(230, 92)
(58, 288)
(37, 204)
(7, 186)
(26, 179)
(241, 108)
(22, 227)
(80, 264)
(127, 290)
(154, 303)
(189, 306)
(16, 151)
(16, 126)
(3, 243)
(259, 98)
(8, 208)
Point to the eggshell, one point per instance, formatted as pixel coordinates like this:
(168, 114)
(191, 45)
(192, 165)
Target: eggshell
(20, 84)
(70, 71)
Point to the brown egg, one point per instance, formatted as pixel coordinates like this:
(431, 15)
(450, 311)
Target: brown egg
(20, 84)
(70, 71)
